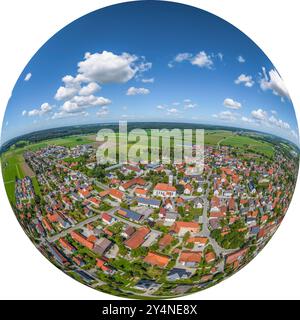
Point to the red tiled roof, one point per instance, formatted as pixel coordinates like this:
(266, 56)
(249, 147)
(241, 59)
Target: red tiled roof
(193, 226)
(165, 240)
(209, 257)
(236, 255)
(164, 187)
(156, 259)
(107, 217)
(133, 182)
(137, 238)
(190, 256)
(116, 193)
(202, 240)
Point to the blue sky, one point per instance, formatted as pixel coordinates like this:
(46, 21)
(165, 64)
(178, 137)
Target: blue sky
(150, 61)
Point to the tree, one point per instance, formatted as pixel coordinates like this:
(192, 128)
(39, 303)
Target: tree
(179, 188)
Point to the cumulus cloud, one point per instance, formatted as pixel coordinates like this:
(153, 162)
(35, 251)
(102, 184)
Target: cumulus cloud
(89, 89)
(261, 117)
(190, 106)
(231, 104)
(247, 81)
(28, 76)
(78, 104)
(61, 114)
(24, 112)
(160, 107)
(132, 91)
(173, 112)
(273, 81)
(43, 109)
(241, 59)
(107, 67)
(63, 93)
(201, 59)
(246, 119)
(279, 123)
(71, 87)
(150, 80)
(102, 112)
(259, 114)
(225, 116)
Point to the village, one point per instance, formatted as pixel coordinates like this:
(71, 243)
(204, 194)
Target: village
(152, 230)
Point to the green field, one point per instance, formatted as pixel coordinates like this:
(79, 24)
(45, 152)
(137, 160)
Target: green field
(214, 137)
(12, 160)
(11, 168)
(245, 142)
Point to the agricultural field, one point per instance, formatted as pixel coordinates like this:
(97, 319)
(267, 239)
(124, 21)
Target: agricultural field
(245, 142)
(215, 137)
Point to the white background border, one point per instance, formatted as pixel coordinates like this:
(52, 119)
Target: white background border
(26, 25)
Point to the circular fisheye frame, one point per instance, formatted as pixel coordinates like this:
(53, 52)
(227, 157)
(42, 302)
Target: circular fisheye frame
(150, 150)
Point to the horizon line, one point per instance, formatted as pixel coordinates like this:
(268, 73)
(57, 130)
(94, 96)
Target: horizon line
(117, 122)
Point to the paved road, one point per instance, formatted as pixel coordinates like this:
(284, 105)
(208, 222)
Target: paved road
(76, 226)
(206, 232)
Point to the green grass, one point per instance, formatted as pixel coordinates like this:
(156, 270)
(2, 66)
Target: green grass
(36, 186)
(11, 168)
(213, 137)
(244, 142)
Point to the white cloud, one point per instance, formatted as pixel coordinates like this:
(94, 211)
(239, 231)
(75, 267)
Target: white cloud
(202, 60)
(190, 106)
(160, 107)
(107, 67)
(247, 81)
(248, 120)
(132, 91)
(274, 82)
(64, 93)
(102, 112)
(176, 103)
(89, 89)
(61, 114)
(28, 76)
(43, 109)
(172, 111)
(71, 87)
(273, 111)
(78, 104)
(220, 55)
(182, 57)
(225, 115)
(24, 112)
(259, 114)
(187, 100)
(231, 104)
(279, 123)
(150, 80)
(241, 59)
